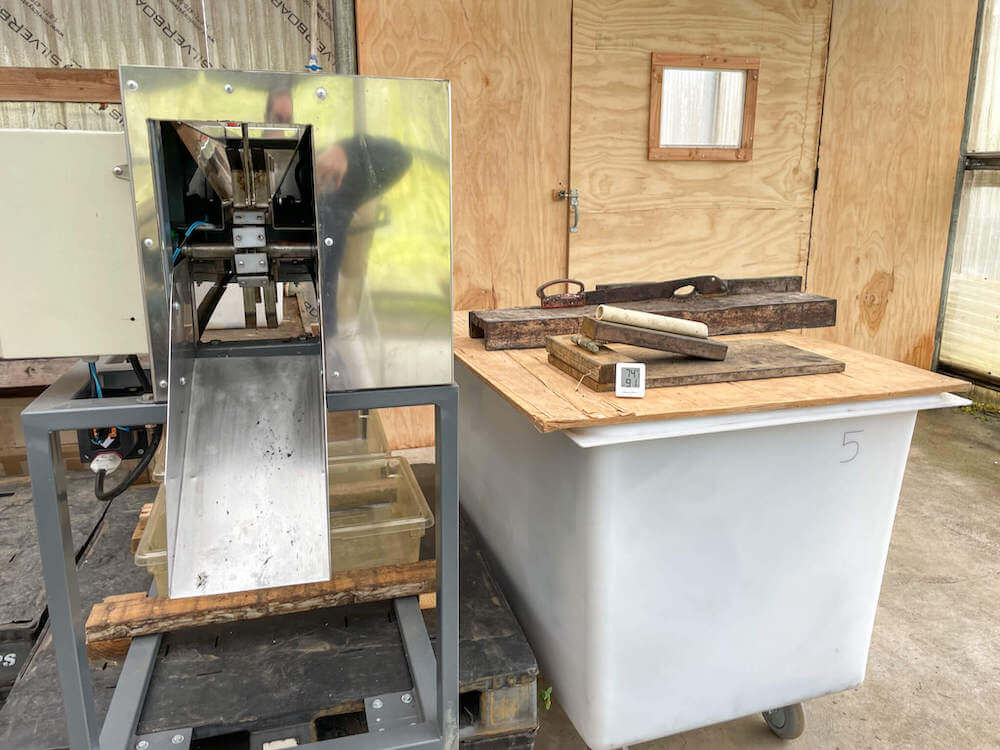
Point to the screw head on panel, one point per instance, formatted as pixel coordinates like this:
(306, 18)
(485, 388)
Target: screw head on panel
(182, 380)
(177, 739)
(228, 88)
(163, 384)
(321, 92)
(142, 745)
(328, 241)
(132, 86)
(377, 703)
(117, 170)
(147, 243)
(406, 698)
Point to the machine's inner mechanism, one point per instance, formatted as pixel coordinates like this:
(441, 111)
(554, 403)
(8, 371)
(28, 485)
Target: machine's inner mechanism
(239, 198)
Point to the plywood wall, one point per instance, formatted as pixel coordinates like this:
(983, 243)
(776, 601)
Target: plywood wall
(644, 219)
(892, 124)
(509, 66)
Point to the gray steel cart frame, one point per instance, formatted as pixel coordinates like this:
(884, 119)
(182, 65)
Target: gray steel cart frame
(64, 406)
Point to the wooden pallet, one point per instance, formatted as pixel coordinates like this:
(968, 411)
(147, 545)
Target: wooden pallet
(308, 671)
(22, 603)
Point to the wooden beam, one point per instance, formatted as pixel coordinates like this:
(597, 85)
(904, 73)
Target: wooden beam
(59, 85)
(140, 527)
(118, 619)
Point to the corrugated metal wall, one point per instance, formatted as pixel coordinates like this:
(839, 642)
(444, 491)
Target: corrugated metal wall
(236, 34)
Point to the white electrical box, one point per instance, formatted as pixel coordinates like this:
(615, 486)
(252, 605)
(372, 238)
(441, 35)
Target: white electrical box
(69, 275)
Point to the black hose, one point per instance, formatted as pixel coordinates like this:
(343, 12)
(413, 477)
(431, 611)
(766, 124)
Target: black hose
(140, 373)
(140, 467)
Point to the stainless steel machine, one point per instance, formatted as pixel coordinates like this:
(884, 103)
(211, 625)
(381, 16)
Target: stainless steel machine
(244, 181)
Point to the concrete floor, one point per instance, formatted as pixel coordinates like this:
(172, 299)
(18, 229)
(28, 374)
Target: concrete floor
(934, 668)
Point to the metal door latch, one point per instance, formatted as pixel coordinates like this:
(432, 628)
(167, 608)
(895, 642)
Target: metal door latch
(574, 203)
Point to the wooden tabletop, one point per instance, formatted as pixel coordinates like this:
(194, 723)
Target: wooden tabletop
(552, 400)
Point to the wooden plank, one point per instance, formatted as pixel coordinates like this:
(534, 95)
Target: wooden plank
(31, 373)
(85, 85)
(615, 333)
(120, 619)
(140, 527)
(509, 66)
(408, 426)
(887, 169)
(747, 360)
(670, 218)
(552, 400)
(305, 298)
(528, 327)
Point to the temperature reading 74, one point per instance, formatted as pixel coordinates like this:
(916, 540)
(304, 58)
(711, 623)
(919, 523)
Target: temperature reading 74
(852, 445)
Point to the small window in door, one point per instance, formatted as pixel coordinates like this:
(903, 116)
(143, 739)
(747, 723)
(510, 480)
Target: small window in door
(701, 107)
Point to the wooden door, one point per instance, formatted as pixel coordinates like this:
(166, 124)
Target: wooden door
(509, 66)
(642, 219)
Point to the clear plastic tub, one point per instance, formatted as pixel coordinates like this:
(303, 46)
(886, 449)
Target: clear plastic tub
(378, 515)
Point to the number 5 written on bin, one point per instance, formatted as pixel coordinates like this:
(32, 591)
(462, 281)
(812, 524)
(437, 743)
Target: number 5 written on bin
(851, 443)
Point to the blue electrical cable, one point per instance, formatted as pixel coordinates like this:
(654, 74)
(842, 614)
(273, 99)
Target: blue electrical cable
(187, 233)
(97, 383)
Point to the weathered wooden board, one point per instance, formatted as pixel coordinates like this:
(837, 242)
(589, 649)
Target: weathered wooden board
(747, 360)
(616, 333)
(119, 618)
(60, 84)
(528, 327)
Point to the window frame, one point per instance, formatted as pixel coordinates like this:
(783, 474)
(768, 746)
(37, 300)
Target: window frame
(743, 152)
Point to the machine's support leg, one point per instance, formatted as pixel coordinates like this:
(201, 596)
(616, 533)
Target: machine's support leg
(130, 693)
(446, 533)
(62, 590)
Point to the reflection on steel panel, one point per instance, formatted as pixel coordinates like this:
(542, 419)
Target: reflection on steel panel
(252, 502)
(382, 171)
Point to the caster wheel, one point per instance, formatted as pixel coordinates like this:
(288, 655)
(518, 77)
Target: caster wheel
(787, 722)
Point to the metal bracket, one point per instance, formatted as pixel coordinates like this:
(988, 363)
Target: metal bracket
(391, 710)
(172, 739)
(574, 203)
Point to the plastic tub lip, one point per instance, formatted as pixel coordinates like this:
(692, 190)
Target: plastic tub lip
(419, 519)
(594, 437)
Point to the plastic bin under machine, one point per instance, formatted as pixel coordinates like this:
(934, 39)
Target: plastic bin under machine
(677, 573)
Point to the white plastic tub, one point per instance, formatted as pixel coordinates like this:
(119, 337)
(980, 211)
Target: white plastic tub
(680, 573)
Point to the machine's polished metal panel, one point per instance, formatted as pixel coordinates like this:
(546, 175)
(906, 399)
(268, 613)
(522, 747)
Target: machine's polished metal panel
(245, 478)
(252, 504)
(183, 332)
(383, 194)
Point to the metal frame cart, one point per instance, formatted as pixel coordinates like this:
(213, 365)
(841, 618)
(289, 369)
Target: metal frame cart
(426, 716)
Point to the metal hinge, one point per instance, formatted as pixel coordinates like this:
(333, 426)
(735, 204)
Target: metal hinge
(574, 203)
